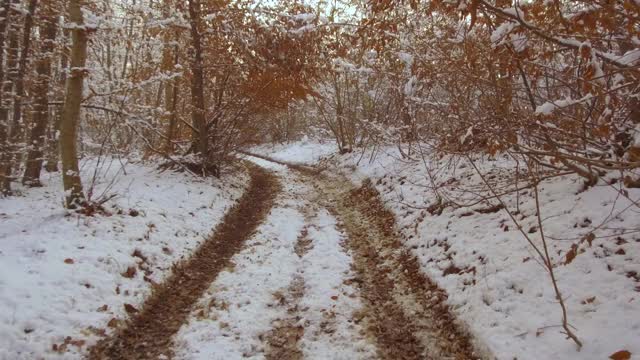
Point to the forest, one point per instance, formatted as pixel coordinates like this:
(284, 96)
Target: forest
(319, 179)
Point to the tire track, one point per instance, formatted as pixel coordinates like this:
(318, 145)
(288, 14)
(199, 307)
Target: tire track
(148, 334)
(404, 311)
(282, 342)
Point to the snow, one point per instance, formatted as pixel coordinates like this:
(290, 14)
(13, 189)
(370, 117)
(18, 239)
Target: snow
(506, 300)
(502, 31)
(305, 17)
(326, 267)
(550, 106)
(303, 151)
(410, 86)
(406, 58)
(58, 269)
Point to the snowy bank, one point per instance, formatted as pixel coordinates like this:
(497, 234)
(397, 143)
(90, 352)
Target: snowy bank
(65, 278)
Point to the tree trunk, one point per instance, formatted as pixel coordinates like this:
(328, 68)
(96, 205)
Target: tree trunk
(7, 88)
(71, 108)
(197, 84)
(169, 61)
(41, 89)
(4, 125)
(53, 151)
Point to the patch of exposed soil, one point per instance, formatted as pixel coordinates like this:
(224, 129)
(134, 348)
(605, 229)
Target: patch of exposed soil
(282, 342)
(148, 334)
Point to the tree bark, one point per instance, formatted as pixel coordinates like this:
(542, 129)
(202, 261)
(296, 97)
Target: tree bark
(53, 150)
(71, 109)
(41, 99)
(7, 88)
(4, 125)
(197, 85)
(169, 62)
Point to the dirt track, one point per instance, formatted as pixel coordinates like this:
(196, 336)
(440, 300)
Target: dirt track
(404, 311)
(148, 335)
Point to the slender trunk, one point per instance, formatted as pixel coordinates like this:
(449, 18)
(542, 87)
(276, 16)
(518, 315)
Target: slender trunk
(71, 109)
(197, 84)
(4, 125)
(41, 90)
(18, 129)
(172, 95)
(53, 150)
(169, 61)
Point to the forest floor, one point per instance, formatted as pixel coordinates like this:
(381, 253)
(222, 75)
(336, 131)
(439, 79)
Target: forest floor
(303, 266)
(316, 260)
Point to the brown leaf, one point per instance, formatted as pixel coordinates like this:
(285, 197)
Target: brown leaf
(103, 308)
(77, 343)
(573, 252)
(68, 261)
(621, 355)
(130, 273)
(113, 323)
(588, 300)
(589, 238)
(130, 308)
(334, 297)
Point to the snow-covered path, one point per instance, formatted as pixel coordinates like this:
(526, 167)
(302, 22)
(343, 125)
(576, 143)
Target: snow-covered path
(289, 293)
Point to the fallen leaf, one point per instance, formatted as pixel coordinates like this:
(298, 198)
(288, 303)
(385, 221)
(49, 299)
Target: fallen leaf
(571, 254)
(588, 300)
(68, 261)
(589, 238)
(621, 355)
(77, 343)
(113, 323)
(130, 308)
(130, 273)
